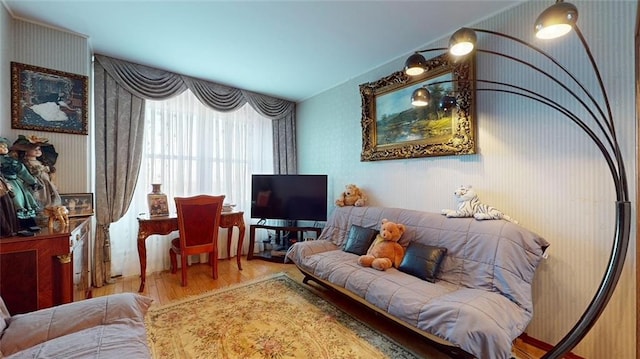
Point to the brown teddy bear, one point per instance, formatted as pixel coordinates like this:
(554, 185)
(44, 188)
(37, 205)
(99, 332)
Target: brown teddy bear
(352, 196)
(385, 252)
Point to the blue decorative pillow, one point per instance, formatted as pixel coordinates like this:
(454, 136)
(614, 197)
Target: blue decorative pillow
(359, 239)
(423, 261)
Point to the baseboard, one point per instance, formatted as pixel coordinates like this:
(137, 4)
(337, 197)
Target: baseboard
(545, 346)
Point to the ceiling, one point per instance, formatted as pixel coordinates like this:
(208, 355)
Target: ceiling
(287, 49)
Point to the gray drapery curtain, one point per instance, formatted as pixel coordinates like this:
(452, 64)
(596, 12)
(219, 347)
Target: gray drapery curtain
(120, 90)
(119, 121)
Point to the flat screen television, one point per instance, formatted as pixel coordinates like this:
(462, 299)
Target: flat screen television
(289, 197)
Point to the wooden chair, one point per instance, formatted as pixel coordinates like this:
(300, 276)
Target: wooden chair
(198, 223)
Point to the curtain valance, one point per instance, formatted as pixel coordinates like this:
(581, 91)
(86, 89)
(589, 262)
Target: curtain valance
(150, 83)
(142, 81)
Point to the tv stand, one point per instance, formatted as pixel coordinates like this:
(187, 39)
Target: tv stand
(277, 254)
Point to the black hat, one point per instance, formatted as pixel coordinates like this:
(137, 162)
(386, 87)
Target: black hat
(27, 143)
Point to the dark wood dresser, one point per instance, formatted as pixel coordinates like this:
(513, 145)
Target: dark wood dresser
(47, 269)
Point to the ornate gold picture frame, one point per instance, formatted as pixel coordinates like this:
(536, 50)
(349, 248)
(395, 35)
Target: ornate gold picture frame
(393, 129)
(48, 100)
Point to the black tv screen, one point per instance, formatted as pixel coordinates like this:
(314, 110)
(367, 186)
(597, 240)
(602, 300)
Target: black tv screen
(289, 197)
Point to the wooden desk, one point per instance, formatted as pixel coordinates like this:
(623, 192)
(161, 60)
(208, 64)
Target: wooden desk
(166, 224)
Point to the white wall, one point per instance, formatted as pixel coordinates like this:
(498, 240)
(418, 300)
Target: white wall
(532, 163)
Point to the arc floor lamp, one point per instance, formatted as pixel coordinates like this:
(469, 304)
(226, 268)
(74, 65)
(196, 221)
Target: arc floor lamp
(557, 20)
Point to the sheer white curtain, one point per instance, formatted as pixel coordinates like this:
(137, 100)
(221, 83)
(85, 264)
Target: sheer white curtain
(191, 149)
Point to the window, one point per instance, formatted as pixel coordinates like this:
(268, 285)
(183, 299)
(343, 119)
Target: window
(191, 149)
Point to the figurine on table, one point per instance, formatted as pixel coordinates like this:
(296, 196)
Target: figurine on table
(21, 183)
(39, 157)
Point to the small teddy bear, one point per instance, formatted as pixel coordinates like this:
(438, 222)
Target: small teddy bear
(385, 252)
(352, 196)
(470, 206)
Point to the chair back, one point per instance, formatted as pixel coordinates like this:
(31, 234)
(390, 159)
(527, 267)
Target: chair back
(198, 222)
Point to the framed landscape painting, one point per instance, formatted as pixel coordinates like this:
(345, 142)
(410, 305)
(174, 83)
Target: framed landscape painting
(393, 129)
(48, 100)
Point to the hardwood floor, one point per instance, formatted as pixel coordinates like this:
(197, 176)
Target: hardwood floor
(165, 287)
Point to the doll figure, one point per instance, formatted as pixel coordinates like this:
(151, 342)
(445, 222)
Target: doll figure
(31, 152)
(8, 218)
(20, 180)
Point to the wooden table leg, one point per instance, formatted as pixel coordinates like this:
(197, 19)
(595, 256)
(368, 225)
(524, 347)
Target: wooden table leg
(229, 236)
(142, 256)
(65, 294)
(240, 240)
(228, 221)
(147, 226)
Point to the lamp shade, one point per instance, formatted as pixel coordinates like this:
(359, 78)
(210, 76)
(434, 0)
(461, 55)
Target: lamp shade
(420, 97)
(462, 42)
(557, 20)
(415, 65)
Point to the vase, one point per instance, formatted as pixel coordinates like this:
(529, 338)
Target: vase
(157, 201)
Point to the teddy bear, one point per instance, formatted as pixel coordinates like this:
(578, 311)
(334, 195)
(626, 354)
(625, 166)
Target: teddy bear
(352, 196)
(470, 206)
(385, 252)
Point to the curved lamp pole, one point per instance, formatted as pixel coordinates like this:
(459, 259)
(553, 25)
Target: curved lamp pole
(557, 20)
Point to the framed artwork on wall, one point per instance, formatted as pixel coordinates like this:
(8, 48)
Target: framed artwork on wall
(393, 129)
(48, 100)
(78, 204)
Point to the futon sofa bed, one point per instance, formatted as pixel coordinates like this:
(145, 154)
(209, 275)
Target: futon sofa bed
(476, 304)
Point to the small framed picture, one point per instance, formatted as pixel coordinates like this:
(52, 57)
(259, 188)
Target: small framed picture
(158, 205)
(78, 204)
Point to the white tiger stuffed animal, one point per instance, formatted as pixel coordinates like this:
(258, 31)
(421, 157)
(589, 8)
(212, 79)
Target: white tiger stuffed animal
(470, 206)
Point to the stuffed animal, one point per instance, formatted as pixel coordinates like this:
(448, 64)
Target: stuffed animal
(385, 252)
(59, 213)
(352, 196)
(470, 206)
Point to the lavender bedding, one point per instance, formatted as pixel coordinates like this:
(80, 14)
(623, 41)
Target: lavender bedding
(103, 327)
(481, 300)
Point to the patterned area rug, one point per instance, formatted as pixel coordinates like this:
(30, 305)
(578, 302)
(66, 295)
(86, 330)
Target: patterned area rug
(271, 318)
